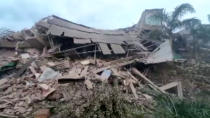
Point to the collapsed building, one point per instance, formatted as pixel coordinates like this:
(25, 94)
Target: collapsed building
(67, 38)
(76, 52)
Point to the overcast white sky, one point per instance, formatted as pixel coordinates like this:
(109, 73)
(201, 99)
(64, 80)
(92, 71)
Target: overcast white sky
(105, 14)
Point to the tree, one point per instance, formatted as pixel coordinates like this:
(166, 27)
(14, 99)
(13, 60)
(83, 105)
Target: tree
(172, 22)
(195, 27)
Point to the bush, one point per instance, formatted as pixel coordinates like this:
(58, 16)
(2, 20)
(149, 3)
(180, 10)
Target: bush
(105, 102)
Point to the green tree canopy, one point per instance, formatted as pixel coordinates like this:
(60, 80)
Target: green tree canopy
(173, 21)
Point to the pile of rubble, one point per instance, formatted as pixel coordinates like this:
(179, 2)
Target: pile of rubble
(37, 62)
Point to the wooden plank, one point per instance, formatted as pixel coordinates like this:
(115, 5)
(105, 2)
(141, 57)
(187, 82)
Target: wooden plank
(133, 90)
(179, 90)
(133, 77)
(117, 49)
(115, 65)
(168, 86)
(146, 79)
(178, 86)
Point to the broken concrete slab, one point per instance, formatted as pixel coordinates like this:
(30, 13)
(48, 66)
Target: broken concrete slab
(117, 49)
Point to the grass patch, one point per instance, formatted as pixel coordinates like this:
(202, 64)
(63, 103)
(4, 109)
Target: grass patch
(174, 108)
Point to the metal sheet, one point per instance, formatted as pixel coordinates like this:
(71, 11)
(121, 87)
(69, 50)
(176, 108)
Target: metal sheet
(117, 49)
(81, 41)
(105, 49)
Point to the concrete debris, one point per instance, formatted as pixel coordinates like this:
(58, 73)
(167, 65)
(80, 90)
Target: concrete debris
(47, 92)
(25, 56)
(56, 54)
(44, 86)
(87, 62)
(3, 81)
(89, 84)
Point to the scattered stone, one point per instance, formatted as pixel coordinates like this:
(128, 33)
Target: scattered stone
(42, 113)
(88, 84)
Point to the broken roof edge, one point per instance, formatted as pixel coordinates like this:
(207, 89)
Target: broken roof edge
(47, 22)
(89, 27)
(79, 24)
(71, 22)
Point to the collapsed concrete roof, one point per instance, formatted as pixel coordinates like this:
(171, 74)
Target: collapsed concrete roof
(81, 34)
(55, 32)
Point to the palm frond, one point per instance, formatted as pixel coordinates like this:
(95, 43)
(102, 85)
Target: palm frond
(175, 24)
(191, 23)
(182, 10)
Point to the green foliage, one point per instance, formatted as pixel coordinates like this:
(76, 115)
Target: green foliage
(174, 21)
(105, 102)
(181, 10)
(175, 108)
(191, 23)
